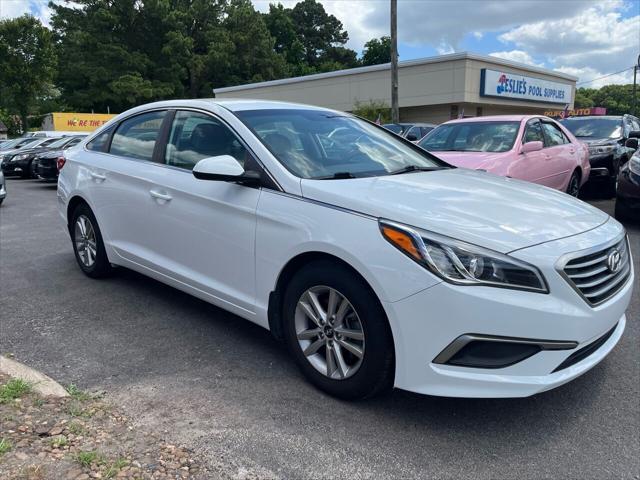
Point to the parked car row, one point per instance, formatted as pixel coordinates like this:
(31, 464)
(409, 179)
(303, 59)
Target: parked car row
(33, 157)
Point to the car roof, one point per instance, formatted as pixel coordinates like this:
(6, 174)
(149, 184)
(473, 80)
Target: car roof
(496, 118)
(606, 117)
(233, 104)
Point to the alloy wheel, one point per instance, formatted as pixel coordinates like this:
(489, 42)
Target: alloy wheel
(85, 240)
(329, 332)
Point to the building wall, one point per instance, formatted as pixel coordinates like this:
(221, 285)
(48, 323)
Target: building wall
(427, 88)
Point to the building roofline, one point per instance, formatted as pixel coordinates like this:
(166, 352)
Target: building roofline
(407, 63)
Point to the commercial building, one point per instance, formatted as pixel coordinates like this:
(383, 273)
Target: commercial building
(432, 89)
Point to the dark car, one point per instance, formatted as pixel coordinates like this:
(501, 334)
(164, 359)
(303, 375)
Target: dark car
(21, 162)
(46, 163)
(628, 186)
(606, 136)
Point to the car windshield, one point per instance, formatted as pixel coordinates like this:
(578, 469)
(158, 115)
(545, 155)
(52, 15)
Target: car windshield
(323, 144)
(594, 127)
(472, 137)
(59, 143)
(28, 142)
(10, 143)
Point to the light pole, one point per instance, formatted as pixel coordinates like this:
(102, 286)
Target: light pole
(633, 98)
(395, 111)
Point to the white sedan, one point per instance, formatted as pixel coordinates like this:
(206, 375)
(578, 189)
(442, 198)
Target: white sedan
(378, 264)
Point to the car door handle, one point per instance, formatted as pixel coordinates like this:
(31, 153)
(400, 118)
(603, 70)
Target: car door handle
(160, 196)
(98, 177)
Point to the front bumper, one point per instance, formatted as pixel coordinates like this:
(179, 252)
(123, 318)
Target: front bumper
(424, 324)
(14, 168)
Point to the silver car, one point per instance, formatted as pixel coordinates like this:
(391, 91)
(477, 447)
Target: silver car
(3, 187)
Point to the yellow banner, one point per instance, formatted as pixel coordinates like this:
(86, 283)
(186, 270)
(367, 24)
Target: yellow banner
(79, 122)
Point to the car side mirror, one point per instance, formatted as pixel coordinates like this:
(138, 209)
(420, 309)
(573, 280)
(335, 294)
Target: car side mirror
(224, 168)
(532, 146)
(634, 134)
(632, 142)
(412, 137)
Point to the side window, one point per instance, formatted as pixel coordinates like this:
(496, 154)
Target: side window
(635, 124)
(553, 135)
(99, 143)
(136, 137)
(195, 136)
(533, 132)
(48, 142)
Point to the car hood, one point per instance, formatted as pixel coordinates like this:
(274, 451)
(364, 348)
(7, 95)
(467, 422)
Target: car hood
(598, 141)
(472, 160)
(503, 214)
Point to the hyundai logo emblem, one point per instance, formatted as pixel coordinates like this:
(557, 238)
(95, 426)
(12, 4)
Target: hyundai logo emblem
(613, 260)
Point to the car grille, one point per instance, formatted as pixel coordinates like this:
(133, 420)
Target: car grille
(592, 276)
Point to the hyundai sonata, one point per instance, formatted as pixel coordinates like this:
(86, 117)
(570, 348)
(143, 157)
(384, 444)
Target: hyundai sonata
(377, 263)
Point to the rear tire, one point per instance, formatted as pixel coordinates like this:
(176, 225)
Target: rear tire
(87, 243)
(355, 357)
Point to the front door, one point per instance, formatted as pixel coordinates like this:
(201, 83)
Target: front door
(203, 232)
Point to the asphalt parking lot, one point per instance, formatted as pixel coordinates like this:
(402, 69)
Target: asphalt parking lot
(225, 388)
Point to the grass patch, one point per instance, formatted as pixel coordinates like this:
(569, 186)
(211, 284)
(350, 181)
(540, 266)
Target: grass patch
(87, 458)
(14, 388)
(75, 409)
(5, 446)
(77, 428)
(113, 468)
(58, 441)
(78, 394)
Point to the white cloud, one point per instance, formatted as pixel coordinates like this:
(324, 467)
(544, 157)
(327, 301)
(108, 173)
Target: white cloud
(517, 56)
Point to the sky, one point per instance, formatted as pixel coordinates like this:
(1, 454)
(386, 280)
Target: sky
(585, 38)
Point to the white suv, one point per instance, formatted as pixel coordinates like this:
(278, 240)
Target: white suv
(377, 263)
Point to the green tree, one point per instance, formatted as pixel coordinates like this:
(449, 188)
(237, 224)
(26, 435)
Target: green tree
(372, 110)
(27, 63)
(377, 51)
(250, 54)
(317, 31)
(281, 27)
(617, 99)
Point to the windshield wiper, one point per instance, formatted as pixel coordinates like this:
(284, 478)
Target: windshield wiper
(337, 176)
(415, 168)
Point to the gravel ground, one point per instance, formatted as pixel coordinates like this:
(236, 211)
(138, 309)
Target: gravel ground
(80, 437)
(223, 387)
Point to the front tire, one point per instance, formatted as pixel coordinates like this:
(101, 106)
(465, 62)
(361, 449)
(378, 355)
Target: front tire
(87, 243)
(573, 187)
(337, 331)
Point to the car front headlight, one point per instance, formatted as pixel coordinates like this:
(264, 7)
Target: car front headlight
(601, 149)
(22, 156)
(463, 263)
(634, 164)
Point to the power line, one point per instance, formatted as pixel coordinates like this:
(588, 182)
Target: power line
(604, 76)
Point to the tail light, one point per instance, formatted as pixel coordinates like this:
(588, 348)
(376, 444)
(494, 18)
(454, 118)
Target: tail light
(60, 163)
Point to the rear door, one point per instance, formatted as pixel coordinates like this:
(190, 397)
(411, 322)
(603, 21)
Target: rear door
(119, 174)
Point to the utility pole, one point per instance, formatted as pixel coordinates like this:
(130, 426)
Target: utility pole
(633, 98)
(395, 111)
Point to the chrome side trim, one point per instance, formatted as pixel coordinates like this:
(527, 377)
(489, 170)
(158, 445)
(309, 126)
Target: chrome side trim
(463, 340)
(322, 204)
(116, 124)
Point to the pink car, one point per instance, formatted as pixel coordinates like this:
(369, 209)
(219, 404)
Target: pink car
(528, 147)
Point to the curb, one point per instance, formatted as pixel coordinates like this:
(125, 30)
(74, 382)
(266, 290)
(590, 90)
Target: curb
(40, 383)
